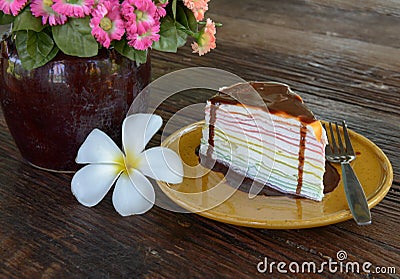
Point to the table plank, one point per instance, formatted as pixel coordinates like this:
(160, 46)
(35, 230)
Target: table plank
(330, 18)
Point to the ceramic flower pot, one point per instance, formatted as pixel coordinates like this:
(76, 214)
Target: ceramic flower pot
(50, 110)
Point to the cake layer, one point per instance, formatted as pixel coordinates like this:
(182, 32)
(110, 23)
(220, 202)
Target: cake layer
(277, 149)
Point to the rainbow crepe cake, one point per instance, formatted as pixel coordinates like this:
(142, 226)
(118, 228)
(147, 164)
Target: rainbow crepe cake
(263, 131)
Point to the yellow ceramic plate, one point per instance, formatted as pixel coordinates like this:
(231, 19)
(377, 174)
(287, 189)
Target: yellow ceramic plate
(203, 194)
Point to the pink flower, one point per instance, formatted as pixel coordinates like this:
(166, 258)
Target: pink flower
(160, 12)
(142, 23)
(73, 8)
(144, 41)
(106, 22)
(43, 8)
(199, 14)
(140, 15)
(206, 39)
(195, 4)
(198, 7)
(12, 6)
(95, 4)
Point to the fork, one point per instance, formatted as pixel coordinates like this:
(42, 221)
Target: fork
(343, 153)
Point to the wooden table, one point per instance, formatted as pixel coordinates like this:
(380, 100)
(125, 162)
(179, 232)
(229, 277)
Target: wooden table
(342, 56)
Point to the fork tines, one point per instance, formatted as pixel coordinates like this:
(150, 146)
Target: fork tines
(339, 148)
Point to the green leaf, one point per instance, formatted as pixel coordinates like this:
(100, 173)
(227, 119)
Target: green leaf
(174, 8)
(26, 21)
(181, 16)
(186, 17)
(193, 25)
(6, 19)
(34, 49)
(181, 35)
(170, 37)
(139, 56)
(39, 44)
(74, 38)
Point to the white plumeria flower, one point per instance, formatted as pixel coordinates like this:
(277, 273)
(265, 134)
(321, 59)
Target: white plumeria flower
(133, 193)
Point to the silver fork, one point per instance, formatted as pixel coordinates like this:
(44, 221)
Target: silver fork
(344, 154)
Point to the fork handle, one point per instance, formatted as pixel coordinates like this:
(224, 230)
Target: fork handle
(355, 195)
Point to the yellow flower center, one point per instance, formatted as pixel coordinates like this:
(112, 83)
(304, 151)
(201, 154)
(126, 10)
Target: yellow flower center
(139, 15)
(48, 3)
(105, 23)
(202, 40)
(129, 161)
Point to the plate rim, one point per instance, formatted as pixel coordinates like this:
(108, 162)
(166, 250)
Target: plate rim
(339, 216)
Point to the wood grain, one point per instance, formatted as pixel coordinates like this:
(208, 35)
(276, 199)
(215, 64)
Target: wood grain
(343, 57)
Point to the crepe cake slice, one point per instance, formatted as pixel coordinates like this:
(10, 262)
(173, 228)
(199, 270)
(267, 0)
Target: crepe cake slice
(263, 131)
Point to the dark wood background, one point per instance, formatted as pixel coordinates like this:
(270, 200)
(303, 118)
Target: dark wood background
(342, 56)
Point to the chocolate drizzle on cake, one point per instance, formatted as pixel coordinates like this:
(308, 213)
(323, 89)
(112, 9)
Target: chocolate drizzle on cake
(276, 97)
(302, 148)
(213, 109)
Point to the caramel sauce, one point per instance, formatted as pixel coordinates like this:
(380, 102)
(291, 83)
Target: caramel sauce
(277, 98)
(211, 127)
(302, 148)
(331, 178)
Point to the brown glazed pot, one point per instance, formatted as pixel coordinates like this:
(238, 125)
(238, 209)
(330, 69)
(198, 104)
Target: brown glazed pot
(51, 110)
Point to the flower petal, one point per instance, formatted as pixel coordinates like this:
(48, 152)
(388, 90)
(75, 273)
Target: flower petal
(137, 130)
(133, 194)
(92, 182)
(162, 164)
(99, 148)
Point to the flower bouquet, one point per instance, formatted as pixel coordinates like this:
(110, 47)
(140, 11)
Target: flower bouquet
(43, 28)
